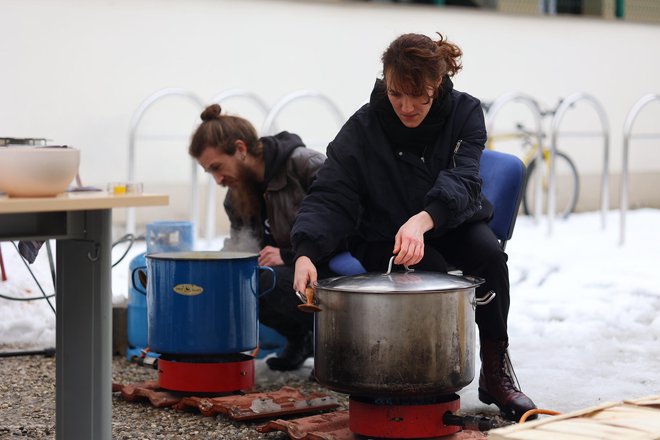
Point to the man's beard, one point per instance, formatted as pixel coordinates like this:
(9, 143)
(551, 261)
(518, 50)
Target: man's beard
(247, 197)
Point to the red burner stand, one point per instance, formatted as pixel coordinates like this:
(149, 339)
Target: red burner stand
(401, 419)
(218, 377)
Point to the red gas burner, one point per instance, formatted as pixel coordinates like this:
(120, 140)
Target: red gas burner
(206, 375)
(402, 417)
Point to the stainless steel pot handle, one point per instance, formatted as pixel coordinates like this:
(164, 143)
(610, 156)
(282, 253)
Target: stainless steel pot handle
(389, 266)
(485, 300)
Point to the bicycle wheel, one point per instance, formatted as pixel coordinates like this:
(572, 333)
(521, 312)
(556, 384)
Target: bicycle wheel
(567, 184)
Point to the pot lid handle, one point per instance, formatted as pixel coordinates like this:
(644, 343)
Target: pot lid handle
(389, 267)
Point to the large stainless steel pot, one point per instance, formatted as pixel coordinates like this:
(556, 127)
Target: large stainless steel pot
(396, 333)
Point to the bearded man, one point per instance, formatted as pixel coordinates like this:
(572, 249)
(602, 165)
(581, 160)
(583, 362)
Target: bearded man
(267, 179)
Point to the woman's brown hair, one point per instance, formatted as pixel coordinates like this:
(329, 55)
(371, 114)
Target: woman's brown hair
(414, 62)
(221, 131)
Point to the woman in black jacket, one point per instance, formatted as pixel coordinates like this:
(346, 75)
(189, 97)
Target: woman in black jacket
(402, 178)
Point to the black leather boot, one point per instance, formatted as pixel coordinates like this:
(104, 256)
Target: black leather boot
(294, 355)
(496, 383)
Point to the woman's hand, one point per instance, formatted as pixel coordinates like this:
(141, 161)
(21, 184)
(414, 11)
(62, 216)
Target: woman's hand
(270, 256)
(409, 240)
(305, 274)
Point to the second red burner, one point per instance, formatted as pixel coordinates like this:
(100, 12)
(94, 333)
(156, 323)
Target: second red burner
(404, 418)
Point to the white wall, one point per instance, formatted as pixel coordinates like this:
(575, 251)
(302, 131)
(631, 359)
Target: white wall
(76, 71)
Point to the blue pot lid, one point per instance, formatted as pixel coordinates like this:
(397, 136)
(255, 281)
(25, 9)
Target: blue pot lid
(202, 255)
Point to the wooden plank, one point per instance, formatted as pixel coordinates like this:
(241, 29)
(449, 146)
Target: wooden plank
(627, 420)
(644, 401)
(534, 424)
(535, 435)
(630, 416)
(632, 410)
(79, 202)
(581, 426)
(647, 425)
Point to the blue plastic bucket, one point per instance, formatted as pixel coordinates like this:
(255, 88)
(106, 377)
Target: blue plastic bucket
(161, 236)
(169, 236)
(136, 313)
(203, 302)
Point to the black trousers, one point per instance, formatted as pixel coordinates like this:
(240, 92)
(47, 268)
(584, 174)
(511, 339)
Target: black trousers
(278, 309)
(473, 248)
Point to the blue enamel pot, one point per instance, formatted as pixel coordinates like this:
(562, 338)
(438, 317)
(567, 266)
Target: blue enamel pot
(203, 302)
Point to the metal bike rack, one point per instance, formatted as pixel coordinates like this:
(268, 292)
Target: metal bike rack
(269, 123)
(554, 132)
(627, 129)
(533, 106)
(132, 136)
(211, 201)
(548, 7)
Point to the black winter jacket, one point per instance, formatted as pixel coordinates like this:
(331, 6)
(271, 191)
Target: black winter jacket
(370, 185)
(290, 168)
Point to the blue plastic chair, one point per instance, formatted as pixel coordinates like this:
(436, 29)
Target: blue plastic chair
(503, 178)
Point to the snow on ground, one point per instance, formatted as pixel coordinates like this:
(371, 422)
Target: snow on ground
(585, 313)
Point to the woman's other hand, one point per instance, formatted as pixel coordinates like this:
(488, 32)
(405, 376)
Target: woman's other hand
(305, 274)
(409, 240)
(270, 256)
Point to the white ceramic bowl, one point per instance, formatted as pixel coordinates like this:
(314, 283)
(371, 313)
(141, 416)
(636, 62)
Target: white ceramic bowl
(37, 171)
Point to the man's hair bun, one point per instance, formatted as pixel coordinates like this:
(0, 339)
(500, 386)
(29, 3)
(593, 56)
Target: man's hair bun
(211, 112)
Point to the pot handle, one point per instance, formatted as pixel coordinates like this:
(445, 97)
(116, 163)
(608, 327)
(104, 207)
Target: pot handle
(309, 301)
(142, 276)
(274, 280)
(485, 300)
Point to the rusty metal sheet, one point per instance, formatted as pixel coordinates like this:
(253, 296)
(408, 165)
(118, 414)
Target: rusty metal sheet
(330, 426)
(466, 435)
(148, 390)
(250, 406)
(334, 426)
(285, 401)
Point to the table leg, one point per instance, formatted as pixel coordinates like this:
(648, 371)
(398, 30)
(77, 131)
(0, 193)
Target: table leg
(84, 330)
(3, 274)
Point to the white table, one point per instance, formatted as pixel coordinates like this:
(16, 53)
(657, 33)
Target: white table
(81, 224)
